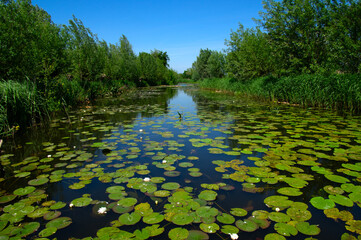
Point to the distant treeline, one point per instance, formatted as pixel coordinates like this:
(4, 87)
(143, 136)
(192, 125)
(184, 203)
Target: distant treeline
(43, 63)
(295, 41)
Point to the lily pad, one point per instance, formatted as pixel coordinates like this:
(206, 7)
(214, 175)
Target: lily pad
(182, 219)
(59, 223)
(274, 236)
(207, 212)
(129, 218)
(7, 198)
(153, 218)
(342, 200)
(299, 214)
(239, 212)
(170, 186)
(247, 225)
(336, 178)
(46, 232)
(197, 235)
(81, 202)
(229, 229)
(279, 217)
(38, 181)
(127, 202)
(51, 215)
(208, 195)
(321, 203)
(178, 234)
(289, 191)
(307, 229)
(209, 228)
(225, 218)
(285, 229)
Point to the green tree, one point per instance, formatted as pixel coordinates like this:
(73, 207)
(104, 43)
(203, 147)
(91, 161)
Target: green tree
(216, 65)
(249, 54)
(128, 61)
(200, 70)
(32, 46)
(162, 56)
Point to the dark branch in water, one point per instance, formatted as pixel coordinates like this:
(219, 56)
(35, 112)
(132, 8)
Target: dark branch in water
(180, 115)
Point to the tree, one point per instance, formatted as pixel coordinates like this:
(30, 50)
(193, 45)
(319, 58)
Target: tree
(249, 54)
(200, 65)
(162, 56)
(216, 65)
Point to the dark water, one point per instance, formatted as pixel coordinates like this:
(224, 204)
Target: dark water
(256, 148)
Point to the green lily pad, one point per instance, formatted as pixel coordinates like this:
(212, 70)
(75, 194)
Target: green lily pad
(170, 186)
(197, 235)
(225, 218)
(59, 223)
(209, 228)
(247, 225)
(333, 190)
(182, 219)
(274, 236)
(81, 202)
(129, 218)
(154, 230)
(207, 212)
(153, 218)
(289, 191)
(229, 229)
(239, 212)
(342, 200)
(51, 215)
(7, 198)
(299, 214)
(178, 234)
(172, 173)
(161, 193)
(279, 217)
(285, 229)
(321, 203)
(127, 202)
(278, 201)
(208, 195)
(336, 178)
(38, 181)
(307, 229)
(119, 209)
(46, 232)
(57, 205)
(115, 189)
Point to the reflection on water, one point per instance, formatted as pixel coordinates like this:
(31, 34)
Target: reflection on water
(224, 151)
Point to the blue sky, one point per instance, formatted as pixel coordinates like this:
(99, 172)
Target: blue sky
(179, 27)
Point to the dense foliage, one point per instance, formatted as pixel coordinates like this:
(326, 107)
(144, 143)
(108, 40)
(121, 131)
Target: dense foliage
(65, 64)
(295, 43)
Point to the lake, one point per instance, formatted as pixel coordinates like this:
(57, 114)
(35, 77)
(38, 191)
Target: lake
(183, 163)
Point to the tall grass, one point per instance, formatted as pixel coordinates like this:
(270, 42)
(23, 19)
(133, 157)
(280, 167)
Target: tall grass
(338, 91)
(20, 105)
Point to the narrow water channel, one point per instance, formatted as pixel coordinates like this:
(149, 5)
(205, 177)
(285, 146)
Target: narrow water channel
(179, 162)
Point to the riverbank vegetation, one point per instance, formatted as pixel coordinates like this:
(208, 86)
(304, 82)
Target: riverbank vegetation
(305, 52)
(44, 66)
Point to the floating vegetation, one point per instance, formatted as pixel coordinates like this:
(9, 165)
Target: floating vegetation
(230, 167)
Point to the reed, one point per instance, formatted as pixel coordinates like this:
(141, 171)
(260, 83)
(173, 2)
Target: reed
(337, 91)
(20, 105)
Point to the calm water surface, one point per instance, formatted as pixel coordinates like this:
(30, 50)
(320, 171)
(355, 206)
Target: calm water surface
(224, 151)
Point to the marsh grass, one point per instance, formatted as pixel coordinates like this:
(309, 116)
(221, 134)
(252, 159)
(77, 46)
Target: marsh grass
(338, 91)
(20, 105)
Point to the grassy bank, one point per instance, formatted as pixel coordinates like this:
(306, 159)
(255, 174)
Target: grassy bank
(21, 104)
(339, 91)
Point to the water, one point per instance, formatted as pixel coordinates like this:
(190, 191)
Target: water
(240, 150)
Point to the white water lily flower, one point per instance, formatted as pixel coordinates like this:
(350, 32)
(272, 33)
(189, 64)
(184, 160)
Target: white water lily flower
(277, 209)
(140, 130)
(147, 179)
(71, 205)
(164, 161)
(49, 156)
(102, 210)
(234, 236)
